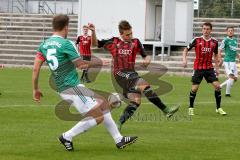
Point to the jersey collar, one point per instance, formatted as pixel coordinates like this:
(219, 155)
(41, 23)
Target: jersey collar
(206, 39)
(229, 37)
(57, 36)
(124, 40)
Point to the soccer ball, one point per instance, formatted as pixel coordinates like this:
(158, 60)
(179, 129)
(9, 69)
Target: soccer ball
(114, 100)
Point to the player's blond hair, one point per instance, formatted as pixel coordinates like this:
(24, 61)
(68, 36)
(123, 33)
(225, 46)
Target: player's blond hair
(85, 26)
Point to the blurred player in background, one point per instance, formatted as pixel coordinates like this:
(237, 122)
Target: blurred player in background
(230, 46)
(124, 50)
(84, 44)
(206, 47)
(62, 58)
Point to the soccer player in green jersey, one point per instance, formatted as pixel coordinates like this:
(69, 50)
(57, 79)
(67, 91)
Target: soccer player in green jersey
(62, 58)
(230, 46)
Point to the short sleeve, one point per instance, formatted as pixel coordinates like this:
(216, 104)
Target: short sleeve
(222, 45)
(191, 44)
(78, 40)
(39, 56)
(104, 42)
(71, 50)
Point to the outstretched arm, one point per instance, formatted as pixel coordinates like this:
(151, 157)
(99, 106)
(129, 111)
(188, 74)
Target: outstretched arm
(94, 37)
(185, 54)
(220, 57)
(146, 61)
(216, 59)
(185, 51)
(35, 76)
(95, 62)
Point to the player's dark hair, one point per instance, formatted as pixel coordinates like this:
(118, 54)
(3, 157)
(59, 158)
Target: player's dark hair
(207, 24)
(230, 27)
(59, 22)
(124, 25)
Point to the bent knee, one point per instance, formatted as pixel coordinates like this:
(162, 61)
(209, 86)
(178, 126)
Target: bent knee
(143, 85)
(99, 119)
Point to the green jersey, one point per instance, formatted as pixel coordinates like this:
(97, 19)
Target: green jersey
(230, 46)
(59, 54)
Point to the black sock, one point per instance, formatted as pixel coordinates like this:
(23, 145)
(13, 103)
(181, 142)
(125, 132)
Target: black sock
(86, 74)
(153, 97)
(128, 112)
(192, 96)
(83, 74)
(218, 98)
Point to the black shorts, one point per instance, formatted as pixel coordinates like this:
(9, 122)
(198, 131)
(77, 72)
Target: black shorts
(128, 84)
(86, 58)
(209, 75)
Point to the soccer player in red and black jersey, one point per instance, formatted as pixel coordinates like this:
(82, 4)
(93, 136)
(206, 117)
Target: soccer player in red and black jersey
(124, 50)
(206, 48)
(84, 44)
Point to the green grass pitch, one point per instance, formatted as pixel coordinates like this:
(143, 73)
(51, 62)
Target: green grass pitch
(29, 131)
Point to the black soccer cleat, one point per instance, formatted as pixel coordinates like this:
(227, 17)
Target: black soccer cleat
(169, 112)
(87, 80)
(67, 144)
(227, 95)
(126, 141)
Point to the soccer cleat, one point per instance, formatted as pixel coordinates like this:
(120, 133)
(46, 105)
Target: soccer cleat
(126, 141)
(169, 112)
(67, 144)
(227, 95)
(191, 111)
(221, 111)
(87, 80)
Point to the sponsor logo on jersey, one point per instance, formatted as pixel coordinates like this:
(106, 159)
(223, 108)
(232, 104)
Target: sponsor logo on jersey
(205, 49)
(233, 48)
(124, 51)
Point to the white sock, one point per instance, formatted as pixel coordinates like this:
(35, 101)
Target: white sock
(80, 127)
(229, 85)
(112, 127)
(224, 83)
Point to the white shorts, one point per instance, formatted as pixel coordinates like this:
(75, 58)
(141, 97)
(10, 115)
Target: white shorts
(231, 68)
(80, 97)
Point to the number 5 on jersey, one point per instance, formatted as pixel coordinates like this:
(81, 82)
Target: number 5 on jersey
(52, 59)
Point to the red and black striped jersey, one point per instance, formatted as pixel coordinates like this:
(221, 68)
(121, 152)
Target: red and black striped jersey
(84, 44)
(204, 50)
(123, 53)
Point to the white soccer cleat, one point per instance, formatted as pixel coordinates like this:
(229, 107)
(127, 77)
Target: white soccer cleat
(221, 111)
(191, 111)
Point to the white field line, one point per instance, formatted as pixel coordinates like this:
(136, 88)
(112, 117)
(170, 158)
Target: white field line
(201, 102)
(147, 103)
(26, 105)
